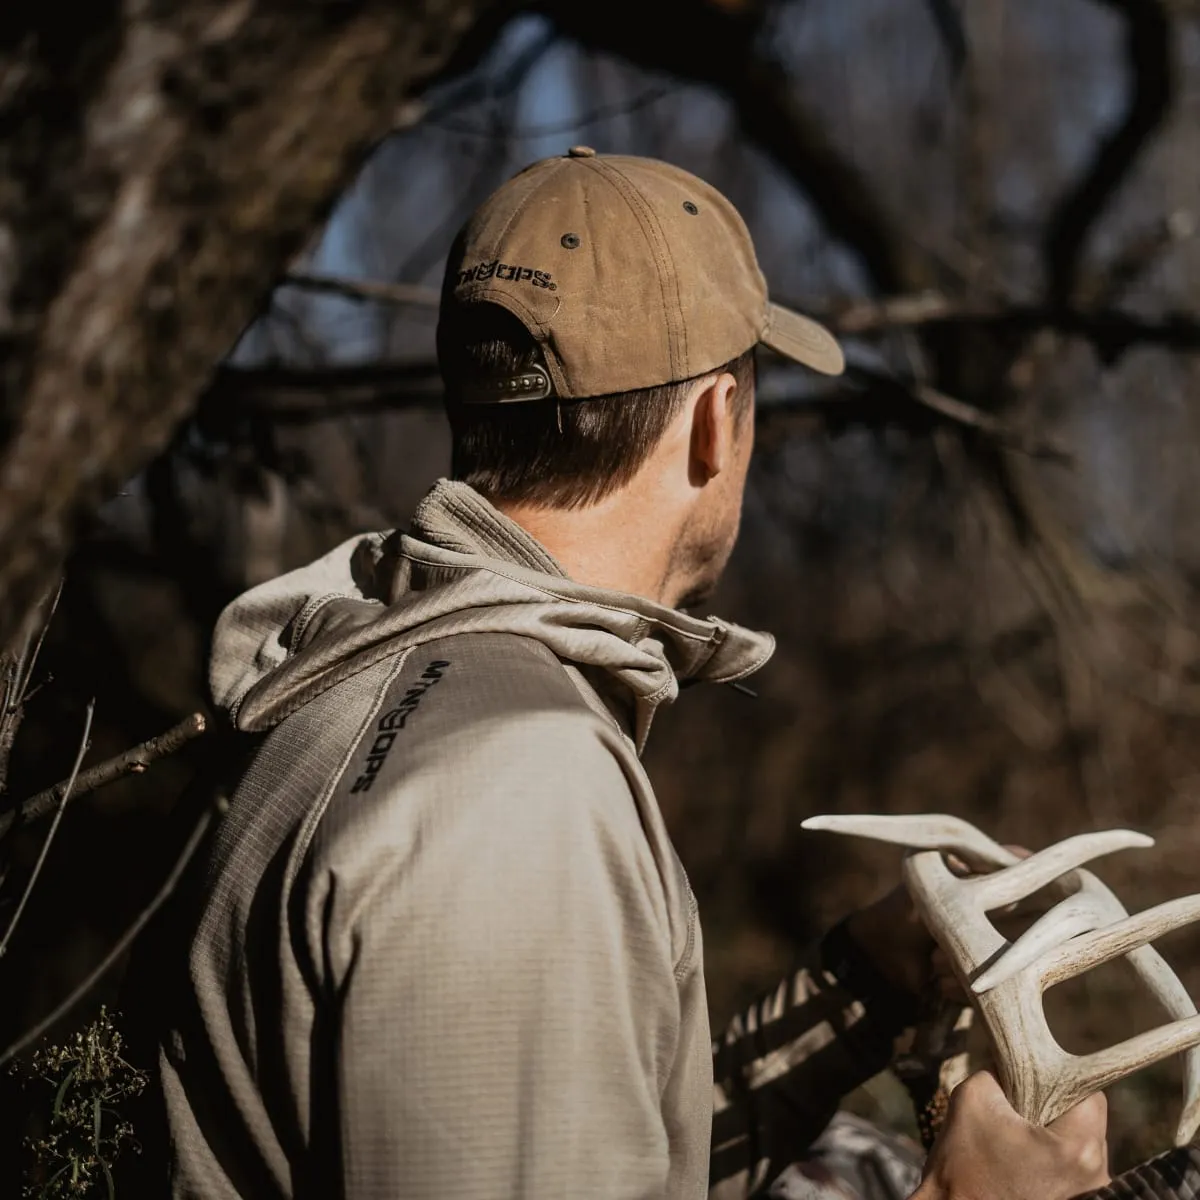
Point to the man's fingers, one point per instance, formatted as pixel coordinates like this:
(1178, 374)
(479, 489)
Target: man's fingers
(957, 865)
(986, 1149)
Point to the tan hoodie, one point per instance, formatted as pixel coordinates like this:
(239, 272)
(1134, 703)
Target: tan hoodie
(446, 947)
(443, 946)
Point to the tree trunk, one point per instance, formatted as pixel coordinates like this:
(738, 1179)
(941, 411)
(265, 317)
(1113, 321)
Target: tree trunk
(161, 162)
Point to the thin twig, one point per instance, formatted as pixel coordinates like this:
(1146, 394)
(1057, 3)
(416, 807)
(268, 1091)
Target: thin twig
(905, 311)
(41, 859)
(25, 659)
(604, 112)
(365, 289)
(41, 639)
(18, 666)
(965, 414)
(1153, 83)
(132, 762)
(482, 88)
(1109, 329)
(126, 940)
(1130, 262)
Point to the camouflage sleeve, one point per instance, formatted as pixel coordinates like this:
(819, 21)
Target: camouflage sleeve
(1174, 1175)
(783, 1065)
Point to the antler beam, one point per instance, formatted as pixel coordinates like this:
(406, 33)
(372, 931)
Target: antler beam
(1087, 927)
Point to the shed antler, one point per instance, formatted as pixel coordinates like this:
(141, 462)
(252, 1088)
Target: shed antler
(1089, 926)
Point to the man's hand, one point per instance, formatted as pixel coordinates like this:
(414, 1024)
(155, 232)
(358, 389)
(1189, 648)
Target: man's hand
(985, 1151)
(893, 937)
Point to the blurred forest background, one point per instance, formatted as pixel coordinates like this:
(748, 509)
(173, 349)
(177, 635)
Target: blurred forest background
(980, 552)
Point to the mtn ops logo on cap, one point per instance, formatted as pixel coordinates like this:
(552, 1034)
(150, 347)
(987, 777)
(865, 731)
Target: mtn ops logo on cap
(628, 272)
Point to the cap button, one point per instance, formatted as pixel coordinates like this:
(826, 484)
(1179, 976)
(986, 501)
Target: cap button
(581, 152)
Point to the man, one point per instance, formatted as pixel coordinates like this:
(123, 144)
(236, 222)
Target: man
(446, 948)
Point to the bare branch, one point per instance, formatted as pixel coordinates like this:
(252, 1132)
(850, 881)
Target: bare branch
(124, 942)
(966, 415)
(1110, 330)
(858, 316)
(949, 23)
(724, 49)
(975, 418)
(1148, 52)
(1135, 258)
(865, 316)
(96, 375)
(283, 394)
(62, 804)
(479, 87)
(132, 762)
(323, 394)
(604, 112)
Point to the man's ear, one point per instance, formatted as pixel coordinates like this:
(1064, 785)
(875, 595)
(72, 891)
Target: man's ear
(713, 428)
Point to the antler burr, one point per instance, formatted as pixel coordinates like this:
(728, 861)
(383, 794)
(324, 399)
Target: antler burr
(1087, 927)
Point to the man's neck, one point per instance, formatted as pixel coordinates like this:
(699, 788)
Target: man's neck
(621, 543)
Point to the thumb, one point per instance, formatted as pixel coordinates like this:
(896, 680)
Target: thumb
(982, 1096)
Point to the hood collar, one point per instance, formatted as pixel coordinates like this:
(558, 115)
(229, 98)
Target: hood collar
(454, 516)
(462, 567)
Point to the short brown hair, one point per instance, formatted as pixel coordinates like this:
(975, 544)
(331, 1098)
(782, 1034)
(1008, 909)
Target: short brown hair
(557, 453)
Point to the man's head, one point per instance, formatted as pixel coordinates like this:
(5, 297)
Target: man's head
(597, 333)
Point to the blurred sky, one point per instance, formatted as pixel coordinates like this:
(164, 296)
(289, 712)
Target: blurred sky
(875, 69)
(878, 75)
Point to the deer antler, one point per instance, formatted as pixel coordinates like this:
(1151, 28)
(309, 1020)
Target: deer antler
(1087, 927)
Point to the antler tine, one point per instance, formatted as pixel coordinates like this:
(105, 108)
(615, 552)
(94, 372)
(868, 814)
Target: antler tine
(1094, 1072)
(924, 831)
(1068, 928)
(1082, 912)
(1036, 871)
(1168, 989)
(1076, 914)
(1091, 949)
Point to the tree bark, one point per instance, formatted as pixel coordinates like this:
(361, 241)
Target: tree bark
(161, 164)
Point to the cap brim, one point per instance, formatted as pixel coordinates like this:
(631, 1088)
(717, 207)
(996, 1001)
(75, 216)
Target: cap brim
(803, 340)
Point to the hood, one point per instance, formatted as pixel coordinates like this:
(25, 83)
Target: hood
(463, 567)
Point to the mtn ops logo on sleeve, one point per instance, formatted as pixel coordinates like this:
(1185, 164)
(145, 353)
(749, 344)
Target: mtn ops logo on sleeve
(501, 270)
(392, 721)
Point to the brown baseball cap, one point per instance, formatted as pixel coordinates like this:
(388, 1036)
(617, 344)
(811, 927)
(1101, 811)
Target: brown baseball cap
(628, 272)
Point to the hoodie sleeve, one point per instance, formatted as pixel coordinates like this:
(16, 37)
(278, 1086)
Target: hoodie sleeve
(508, 1009)
(783, 1066)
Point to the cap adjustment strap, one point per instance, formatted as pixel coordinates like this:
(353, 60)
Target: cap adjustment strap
(530, 384)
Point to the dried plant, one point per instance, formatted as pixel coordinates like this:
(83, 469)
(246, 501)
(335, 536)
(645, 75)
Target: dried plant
(82, 1084)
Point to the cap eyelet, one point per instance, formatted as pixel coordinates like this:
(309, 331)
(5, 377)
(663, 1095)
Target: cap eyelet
(570, 240)
(689, 207)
